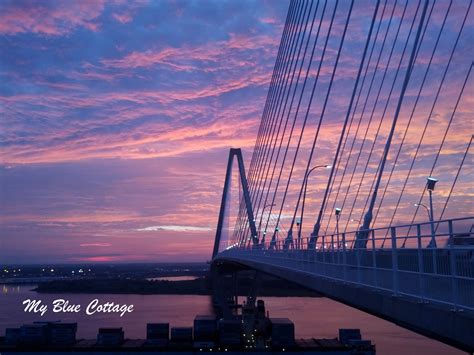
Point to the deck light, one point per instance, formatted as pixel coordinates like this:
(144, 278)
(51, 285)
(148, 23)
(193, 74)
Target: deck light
(430, 183)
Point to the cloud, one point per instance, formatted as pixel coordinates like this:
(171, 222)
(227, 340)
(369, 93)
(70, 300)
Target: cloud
(123, 17)
(86, 245)
(174, 229)
(211, 57)
(227, 126)
(52, 19)
(106, 135)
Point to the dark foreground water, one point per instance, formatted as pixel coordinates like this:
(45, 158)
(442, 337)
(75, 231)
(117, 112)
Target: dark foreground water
(313, 317)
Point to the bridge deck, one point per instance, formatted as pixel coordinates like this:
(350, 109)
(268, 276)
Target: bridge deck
(422, 297)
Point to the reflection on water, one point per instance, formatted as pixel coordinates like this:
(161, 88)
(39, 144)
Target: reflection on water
(313, 317)
(11, 289)
(172, 278)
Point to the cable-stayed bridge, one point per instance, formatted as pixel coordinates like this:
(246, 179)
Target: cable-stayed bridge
(360, 183)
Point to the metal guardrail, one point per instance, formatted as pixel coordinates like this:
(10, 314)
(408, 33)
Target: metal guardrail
(397, 259)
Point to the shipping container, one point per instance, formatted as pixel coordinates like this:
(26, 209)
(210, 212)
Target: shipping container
(34, 334)
(205, 328)
(182, 334)
(158, 334)
(62, 334)
(230, 332)
(345, 335)
(110, 336)
(282, 332)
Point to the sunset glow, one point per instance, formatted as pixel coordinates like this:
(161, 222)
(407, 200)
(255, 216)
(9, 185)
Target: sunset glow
(116, 119)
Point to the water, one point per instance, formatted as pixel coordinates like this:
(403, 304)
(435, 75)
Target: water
(313, 317)
(173, 278)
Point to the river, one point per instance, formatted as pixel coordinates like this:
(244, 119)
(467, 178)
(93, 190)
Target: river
(313, 317)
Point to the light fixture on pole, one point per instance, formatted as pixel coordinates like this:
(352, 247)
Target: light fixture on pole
(260, 223)
(337, 211)
(352, 220)
(298, 224)
(305, 182)
(430, 185)
(425, 207)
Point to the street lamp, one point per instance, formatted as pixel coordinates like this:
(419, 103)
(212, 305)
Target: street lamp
(337, 211)
(298, 224)
(425, 207)
(260, 223)
(430, 185)
(305, 182)
(274, 238)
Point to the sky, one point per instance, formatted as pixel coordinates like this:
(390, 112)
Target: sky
(116, 118)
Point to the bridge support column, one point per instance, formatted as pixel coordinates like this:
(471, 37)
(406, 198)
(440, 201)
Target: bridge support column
(452, 260)
(248, 203)
(421, 265)
(394, 260)
(344, 256)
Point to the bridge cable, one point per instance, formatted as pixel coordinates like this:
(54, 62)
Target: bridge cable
(410, 120)
(275, 100)
(291, 25)
(290, 230)
(387, 102)
(298, 107)
(365, 105)
(288, 115)
(267, 167)
(378, 130)
(374, 142)
(440, 148)
(296, 113)
(275, 113)
(381, 121)
(355, 108)
(275, 75)
(362, 235)
(348, 115)
(455, 180)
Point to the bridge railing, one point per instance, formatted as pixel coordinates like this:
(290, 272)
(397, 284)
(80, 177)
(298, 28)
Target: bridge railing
(458, 231)
(398, 259)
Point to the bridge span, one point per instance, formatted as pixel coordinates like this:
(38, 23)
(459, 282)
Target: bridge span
(367, 110)
(427, 290)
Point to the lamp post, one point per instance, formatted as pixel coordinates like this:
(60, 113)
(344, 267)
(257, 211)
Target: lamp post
(425, 207)
(277, 229)
(430, 185)
(337, 212)
(305, 182)
(298, 224)
(260, 223)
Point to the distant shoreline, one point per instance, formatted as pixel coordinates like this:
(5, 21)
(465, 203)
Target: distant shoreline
(199, 286)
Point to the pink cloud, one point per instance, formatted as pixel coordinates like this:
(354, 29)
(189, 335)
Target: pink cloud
(122, 17)
(95, 245)
(270, 20)
(206, 58)
(59, 19)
